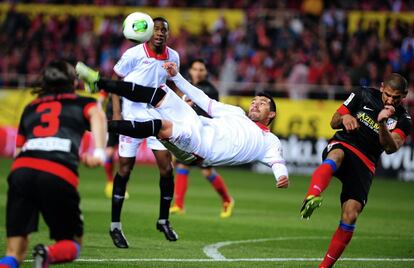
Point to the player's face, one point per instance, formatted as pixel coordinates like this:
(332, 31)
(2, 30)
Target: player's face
(160, 35)
(198, 72)
(391, 96)
(259, 110)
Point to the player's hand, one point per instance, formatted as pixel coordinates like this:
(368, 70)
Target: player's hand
(350, 123)
(282, 182)
(386, 113)
(171, 68)
(91, 161)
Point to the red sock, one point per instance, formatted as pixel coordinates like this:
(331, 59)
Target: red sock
(109, 170)
(63, 251)
(220, 187)
(320, 179)
(339, 241)
(181, 185)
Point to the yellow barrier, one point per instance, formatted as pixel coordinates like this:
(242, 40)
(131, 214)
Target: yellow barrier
(12, 103)
(191, 19)
(376, 16)
(303, 118)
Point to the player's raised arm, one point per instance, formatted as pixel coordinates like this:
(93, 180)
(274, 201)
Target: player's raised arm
(192, 92)
(391, 142)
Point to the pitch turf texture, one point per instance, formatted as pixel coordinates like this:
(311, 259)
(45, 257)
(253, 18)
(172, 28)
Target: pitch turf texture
(265, 230)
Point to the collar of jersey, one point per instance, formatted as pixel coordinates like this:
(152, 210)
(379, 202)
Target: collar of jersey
(152, 54)
(262, 127)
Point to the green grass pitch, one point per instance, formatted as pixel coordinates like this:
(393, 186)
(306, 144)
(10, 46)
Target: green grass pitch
(265, 230)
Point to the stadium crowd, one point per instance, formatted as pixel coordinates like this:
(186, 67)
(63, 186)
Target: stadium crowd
(305, 45)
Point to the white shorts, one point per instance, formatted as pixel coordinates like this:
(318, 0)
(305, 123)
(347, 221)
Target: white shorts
(128, 146)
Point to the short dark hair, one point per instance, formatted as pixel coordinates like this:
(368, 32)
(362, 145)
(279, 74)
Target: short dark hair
(397, 82)
(200, 60)
(57, 77)
(272, 103)
(162, 19)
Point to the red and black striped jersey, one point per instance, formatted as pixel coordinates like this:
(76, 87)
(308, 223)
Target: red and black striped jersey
(51, 128)
(365, 104)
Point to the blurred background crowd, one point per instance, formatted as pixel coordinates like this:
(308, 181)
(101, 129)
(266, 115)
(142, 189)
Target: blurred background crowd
(281, 46)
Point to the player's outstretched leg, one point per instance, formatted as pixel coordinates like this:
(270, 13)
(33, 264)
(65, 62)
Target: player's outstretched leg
(311, 203)
(165, 227)
(134, 92)
(89, 76)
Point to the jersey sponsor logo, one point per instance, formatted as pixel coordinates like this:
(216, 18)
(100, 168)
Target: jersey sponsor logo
(48, 144)
(391, 123)
(368, 121)
(367, 108)
(349, 99)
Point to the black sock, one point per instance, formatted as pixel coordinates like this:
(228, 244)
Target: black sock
(132, 91)
(167, 193)
(135, 129)
(118, 196)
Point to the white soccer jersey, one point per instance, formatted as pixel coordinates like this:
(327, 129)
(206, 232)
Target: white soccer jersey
(142, 66)
(228, 138)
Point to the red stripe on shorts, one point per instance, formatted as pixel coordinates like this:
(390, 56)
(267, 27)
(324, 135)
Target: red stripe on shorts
(47, 166)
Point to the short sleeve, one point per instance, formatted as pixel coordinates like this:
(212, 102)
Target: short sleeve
(352, 102)
(404, 126)
(125, 64)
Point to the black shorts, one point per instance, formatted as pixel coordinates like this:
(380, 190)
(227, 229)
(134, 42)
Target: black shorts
(32, 191)
(355, 176)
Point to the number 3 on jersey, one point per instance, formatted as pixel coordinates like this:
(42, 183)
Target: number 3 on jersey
(49, 118)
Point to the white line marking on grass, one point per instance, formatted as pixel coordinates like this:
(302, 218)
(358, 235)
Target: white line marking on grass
(212, 250)
(243, 260)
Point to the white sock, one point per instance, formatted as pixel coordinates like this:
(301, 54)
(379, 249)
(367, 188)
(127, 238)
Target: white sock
(162, 221)
(116, 225)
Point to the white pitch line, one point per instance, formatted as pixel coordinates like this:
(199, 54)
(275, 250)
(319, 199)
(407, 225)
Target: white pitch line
(212, 250)
(244, 260)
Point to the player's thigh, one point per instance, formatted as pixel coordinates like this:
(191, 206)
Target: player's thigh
(60, 207)
(22, 211)
(128, 146)
(127, 151)
(356, 179)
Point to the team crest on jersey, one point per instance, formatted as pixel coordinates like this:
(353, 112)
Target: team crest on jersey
(349, 99)
(391, 123)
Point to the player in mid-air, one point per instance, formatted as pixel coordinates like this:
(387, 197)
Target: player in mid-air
(198, 77)
(370, 122)
(229, 137)
(142, 64)
(44, 174)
